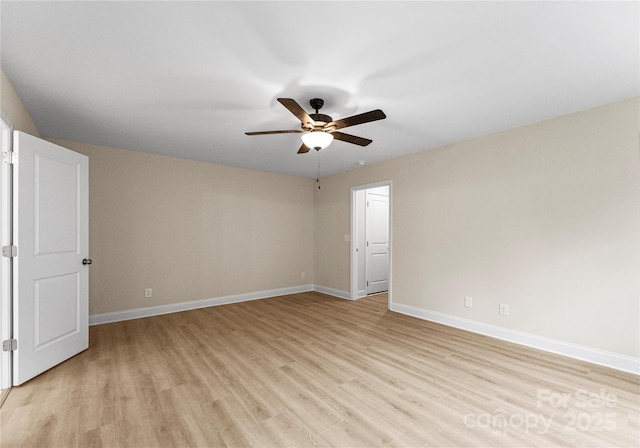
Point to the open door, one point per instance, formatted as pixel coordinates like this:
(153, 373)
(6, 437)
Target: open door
(377, 236)
(50, 275)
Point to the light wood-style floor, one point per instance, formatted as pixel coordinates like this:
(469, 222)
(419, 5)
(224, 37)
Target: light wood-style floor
(309, 370)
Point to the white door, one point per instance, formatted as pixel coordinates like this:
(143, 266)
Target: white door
(377, 234)
(51, 232)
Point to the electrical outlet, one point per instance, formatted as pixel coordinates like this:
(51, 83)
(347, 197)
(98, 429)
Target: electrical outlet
(468, 302)
(504, 309)
(303, 275)
(148, 292)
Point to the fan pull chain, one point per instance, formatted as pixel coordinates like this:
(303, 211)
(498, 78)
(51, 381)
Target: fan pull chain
(318, 172)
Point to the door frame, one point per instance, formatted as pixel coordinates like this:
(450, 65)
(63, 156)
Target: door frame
(353, 242)
(6, 276)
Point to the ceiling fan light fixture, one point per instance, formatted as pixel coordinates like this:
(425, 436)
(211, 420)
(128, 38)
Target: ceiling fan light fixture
(317, 139)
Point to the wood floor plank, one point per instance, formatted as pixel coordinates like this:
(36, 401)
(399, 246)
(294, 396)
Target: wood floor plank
(309, 370)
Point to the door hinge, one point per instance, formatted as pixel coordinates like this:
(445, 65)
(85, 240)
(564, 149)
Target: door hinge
(10, 345)
(9, 251)
(9, 157)
(367, 282)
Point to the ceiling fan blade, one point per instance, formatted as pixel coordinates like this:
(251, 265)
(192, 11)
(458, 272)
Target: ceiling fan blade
(296, 110)
(351, 138)
(356, 119)
(293, 131)
(303, 149)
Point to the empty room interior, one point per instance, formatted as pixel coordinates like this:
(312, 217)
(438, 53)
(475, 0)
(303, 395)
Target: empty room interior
(304, 224)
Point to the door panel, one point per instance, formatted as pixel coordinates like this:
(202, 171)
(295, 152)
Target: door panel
(379, 267)
(55, 296)
(377, 223)
(56, 202)
(51, 285)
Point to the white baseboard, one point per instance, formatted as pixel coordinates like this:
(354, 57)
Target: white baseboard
(139, 313)
(332, 292)
(592, 355)
(103, 318)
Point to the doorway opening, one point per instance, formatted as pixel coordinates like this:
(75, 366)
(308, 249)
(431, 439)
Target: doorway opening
(371, 207)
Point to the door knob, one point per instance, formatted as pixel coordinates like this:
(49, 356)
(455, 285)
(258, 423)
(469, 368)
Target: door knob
(87, 261)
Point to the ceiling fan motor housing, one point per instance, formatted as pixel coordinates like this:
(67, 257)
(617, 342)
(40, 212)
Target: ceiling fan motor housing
(320, 119)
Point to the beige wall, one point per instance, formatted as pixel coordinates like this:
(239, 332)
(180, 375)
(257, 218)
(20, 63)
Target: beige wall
(191, 230)
(13, 109)
(544, 218)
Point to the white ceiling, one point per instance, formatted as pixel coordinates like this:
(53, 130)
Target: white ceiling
(187, 79)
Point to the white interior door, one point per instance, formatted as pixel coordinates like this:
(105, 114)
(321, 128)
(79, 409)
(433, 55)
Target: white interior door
(377, 234)
(51, 232)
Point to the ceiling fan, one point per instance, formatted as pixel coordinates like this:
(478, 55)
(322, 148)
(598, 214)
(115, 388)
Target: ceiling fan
(319, 130)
